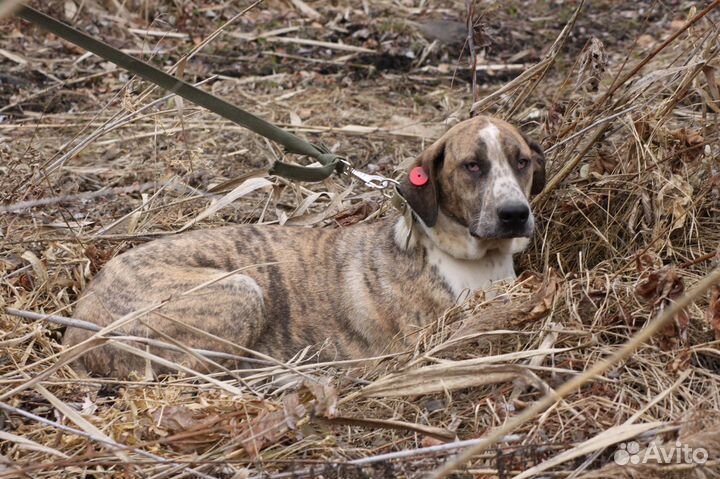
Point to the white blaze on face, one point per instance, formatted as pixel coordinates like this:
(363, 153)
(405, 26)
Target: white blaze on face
(491, 136)
(503, 184)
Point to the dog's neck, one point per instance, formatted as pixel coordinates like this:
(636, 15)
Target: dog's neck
(463, 261)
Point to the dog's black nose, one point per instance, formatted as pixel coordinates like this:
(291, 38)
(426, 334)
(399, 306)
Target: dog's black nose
(513, 216)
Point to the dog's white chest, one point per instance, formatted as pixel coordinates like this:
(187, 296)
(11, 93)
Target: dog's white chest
(463, 275)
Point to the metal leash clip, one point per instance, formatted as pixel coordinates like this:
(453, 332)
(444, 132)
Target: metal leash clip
(376, 182)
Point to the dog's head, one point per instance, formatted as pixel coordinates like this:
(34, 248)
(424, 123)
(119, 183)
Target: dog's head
(470, 188)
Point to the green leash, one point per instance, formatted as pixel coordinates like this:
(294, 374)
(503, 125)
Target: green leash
(331, 163)
(292, 143)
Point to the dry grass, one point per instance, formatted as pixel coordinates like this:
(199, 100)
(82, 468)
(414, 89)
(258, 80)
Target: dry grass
(93, 163)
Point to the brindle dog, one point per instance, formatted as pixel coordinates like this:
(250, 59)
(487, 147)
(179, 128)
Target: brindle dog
(365, 289)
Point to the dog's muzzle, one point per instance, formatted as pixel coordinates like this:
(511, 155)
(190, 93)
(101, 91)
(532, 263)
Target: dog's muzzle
(511, 220)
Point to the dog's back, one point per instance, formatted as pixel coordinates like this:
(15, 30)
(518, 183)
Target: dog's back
(289, 274)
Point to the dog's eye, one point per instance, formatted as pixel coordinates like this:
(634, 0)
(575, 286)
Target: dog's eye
(472, 166)
(522, 163)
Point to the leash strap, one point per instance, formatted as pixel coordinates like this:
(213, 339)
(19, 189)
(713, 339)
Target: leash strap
(331, 163)
(292, 143)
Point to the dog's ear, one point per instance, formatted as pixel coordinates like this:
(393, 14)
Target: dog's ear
(422, 192)
(538, 160)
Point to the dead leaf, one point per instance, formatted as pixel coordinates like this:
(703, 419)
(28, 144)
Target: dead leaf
(681, 361)
(97, 256)
(307, 219)
(659, 284)
(674, 200)
(270, 426)
(70, 10)
(295, 119)
(176, 419)
(325, 395)
(187, 430)
(37, 265)
(245, 188)
(428, 441)
(242, 474)
(712, 314)
(356, 214)
(646, 41)
(553, 120)
(25, 281)
(604, 162)
(306, 9)
(593, 62)
(661, 288)
(687, 147)
(712, 96)
(677, 24)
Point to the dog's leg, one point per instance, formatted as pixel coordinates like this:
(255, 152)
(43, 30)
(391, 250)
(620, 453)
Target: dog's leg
(231, 308)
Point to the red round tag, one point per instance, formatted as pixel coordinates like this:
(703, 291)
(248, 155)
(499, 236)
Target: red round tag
(418, 177)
